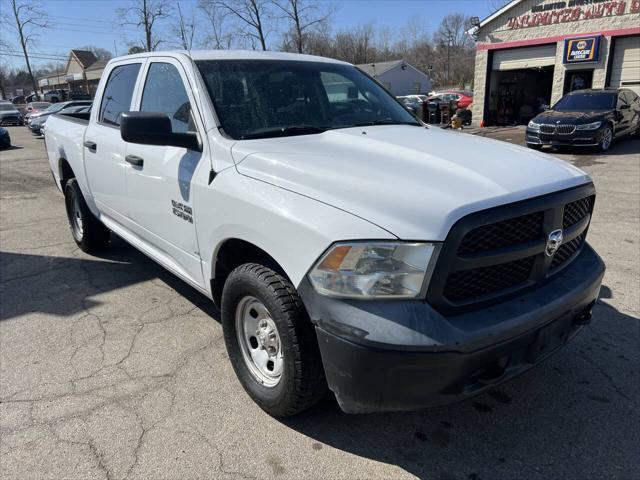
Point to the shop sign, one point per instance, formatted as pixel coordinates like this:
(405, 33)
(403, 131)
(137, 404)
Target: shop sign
(43, 82)
(581, 50)
(573, 11)
(73, 77)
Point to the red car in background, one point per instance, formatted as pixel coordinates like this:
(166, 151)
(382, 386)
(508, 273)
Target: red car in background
(464, 98)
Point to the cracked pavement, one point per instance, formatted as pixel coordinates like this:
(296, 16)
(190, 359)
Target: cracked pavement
(112, 368)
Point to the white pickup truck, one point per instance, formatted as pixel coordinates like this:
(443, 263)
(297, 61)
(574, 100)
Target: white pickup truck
(348, 245)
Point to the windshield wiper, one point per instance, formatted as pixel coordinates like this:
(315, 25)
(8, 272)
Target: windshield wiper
(286, 131)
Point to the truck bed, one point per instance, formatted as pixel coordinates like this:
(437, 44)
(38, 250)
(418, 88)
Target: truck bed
(64, 139)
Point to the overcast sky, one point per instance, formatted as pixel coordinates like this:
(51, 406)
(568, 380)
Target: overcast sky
(78, 23)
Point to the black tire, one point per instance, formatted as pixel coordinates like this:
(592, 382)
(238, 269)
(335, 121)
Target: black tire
(533, 146)
(603, 145)
(302, 382)
(89, 234)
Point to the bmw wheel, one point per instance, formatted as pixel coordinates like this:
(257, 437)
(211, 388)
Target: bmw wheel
(606, 138)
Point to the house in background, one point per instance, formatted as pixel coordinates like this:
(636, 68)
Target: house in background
(399, 77)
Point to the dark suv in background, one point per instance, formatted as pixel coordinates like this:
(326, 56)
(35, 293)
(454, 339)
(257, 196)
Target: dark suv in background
(586, 118)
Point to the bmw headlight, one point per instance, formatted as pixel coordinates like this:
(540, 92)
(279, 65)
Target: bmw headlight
(374, 270)
(534, 126)
(589, 126)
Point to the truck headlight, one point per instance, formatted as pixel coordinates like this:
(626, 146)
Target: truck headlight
(374, 269)
(534, 126)
(589, 126)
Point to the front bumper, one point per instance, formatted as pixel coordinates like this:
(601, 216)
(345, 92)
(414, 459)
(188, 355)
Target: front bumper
(395, 355)
(579, 138)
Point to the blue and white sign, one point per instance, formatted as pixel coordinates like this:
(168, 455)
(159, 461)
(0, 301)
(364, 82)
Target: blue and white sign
(582, 49)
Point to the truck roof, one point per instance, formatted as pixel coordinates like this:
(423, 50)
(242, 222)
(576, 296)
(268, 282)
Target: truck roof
(234, 55)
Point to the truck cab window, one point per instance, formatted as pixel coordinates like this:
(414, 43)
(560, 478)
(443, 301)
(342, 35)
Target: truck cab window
(117, 93)
(164, 92)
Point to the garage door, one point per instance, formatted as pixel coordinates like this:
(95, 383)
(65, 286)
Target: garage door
(528, 57)
(625, 69)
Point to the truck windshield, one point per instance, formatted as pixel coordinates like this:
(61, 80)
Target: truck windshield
(270, 98)
(586, 101)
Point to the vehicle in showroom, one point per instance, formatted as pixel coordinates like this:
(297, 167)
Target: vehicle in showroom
(37, 120)
(9, 114)
(348, 245)
(5, 138)
(586, 118)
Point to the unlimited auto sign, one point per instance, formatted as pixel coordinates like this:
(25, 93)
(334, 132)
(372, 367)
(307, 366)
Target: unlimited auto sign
(572, 11)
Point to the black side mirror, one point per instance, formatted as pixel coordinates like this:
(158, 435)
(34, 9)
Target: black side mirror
(154, 128)
(625, 107)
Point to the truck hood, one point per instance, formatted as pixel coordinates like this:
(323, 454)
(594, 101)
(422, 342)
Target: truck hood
(413, 182)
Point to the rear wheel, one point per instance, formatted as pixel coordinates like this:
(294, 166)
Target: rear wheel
(88, 232)
(271, 342)
(606, 138)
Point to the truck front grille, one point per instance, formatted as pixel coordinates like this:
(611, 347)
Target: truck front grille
(493, 254)
(484, 280)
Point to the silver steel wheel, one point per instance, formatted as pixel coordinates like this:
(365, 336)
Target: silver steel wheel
(607, 136)
(76, 219)
(259, 341)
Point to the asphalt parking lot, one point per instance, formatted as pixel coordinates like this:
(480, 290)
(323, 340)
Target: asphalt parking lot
(112, 368)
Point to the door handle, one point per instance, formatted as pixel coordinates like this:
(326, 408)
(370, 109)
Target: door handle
(134, 160)
(92, 146)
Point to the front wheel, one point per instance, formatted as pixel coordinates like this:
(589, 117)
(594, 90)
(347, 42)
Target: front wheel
(88, 232)
(271, 342)
(606, 138)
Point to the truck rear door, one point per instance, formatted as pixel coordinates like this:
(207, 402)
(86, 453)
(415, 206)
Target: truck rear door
(104, 149)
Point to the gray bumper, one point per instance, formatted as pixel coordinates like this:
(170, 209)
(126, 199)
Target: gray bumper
(400, 355)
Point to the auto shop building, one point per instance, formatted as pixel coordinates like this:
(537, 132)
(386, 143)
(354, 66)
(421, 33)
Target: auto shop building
(531, 52)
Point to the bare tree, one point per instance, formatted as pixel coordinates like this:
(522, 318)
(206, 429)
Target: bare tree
(4, 73)
(216, 19)
(145, 14)
(29, 21)
(452, 41)
(185, 29)
(251, 14)
(356, 45)
(303, 16)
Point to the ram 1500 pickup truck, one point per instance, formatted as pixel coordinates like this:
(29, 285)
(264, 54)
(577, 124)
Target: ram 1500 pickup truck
(349, 246)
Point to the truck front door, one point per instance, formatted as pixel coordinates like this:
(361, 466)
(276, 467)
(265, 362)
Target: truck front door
(104, 149)
(160, 179)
